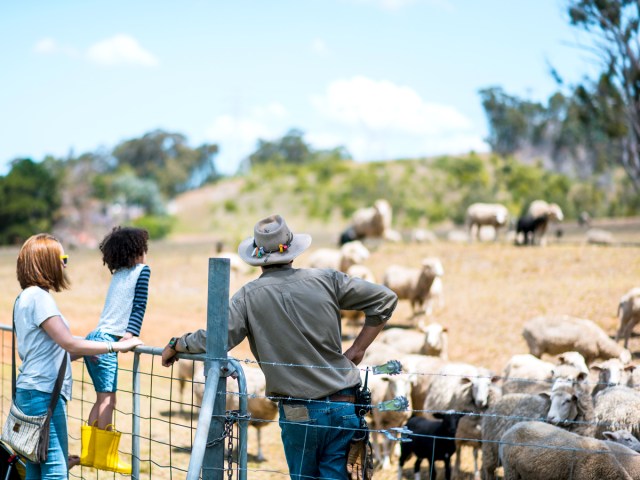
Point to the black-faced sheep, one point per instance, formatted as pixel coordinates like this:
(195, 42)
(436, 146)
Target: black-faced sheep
(352, 253)
(628, 314)
(551, 212)
(413, 284)
(539, 451)
(526, 226)
(430, 340)
(481, 214)
(562, 333)
(431, 440)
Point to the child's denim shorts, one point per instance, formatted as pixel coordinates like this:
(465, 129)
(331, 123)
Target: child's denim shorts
(103, 369)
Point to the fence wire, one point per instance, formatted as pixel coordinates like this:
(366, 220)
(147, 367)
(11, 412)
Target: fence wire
(167, 407)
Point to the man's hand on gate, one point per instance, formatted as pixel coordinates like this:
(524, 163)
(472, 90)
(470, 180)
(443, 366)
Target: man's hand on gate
(168, 356)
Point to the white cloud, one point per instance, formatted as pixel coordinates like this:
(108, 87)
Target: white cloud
(378, 120)
(319, 47)
(121, 49)
(237, 135)
(46, 46)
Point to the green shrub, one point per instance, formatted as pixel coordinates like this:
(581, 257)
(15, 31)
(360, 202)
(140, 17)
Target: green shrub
(158, 226)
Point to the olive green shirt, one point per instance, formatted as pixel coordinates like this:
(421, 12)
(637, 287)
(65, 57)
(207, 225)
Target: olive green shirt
(292, 320)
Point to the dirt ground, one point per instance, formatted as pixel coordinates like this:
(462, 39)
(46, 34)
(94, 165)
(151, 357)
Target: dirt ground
(490, 291)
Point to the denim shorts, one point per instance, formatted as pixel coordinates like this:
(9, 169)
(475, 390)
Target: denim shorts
(103, 369)
(34, 402)
(316, 437)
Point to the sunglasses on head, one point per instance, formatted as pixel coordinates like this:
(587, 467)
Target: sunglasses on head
(65, 259)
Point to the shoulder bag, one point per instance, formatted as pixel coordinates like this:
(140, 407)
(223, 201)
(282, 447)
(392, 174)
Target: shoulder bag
(28, 435)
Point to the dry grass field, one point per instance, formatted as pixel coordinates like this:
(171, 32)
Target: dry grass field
(490, 291)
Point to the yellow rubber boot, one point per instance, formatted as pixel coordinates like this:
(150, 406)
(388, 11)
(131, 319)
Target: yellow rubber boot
(88, 442)
(106, 452)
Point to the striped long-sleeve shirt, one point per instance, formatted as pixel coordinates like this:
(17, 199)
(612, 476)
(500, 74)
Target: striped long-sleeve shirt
(126, 301)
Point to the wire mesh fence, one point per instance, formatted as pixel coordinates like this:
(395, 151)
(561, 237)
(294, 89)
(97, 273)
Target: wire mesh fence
(157, 412)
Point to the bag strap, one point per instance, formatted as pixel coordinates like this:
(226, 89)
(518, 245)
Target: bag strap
(58, 385)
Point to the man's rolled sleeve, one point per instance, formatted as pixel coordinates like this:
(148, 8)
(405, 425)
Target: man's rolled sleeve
(195, 342)
(376, 301)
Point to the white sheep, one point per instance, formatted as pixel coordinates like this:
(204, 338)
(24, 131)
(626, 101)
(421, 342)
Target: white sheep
(628, 314)
(421, 235)
(383, 388)
(422, 369)
(599, 236)
(551, 212)
(461, 387)
(372, 221)
(525, 373)
(504, 413)
(413, 284)
(539, 451)
(561, 333)
(572, 408)
(617, 408)
(468, 434)
(430, 340)
(351, 253)
(481, 214)
(610, 373)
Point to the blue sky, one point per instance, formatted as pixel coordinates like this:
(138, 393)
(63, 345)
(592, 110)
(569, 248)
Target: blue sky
(385, 78)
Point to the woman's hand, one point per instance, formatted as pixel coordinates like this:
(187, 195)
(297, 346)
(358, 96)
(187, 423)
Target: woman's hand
(127, 345)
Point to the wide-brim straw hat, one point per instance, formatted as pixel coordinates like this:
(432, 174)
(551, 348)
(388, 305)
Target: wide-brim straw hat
(272, 243)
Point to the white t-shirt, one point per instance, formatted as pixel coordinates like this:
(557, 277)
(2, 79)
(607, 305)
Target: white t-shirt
(41, 356)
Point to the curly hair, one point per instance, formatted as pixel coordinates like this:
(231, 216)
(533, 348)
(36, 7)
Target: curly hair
(123, 246)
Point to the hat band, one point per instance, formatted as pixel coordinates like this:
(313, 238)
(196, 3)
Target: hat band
(260, 252)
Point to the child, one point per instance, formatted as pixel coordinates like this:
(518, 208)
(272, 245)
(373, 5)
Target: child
(124, 253)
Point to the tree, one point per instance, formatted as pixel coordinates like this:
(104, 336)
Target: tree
(167, 159)
(29, 198)
(614, 25)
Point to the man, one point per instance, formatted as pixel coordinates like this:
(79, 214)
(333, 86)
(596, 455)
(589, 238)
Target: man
(291, 318)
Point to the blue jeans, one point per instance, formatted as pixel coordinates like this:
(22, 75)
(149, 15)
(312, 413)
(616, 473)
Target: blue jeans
(316, 437)
(34, 402)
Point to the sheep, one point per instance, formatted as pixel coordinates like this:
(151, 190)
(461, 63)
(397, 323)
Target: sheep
(560, 333)
(461, 387)
(424, 369)
(611, 372)
(628, 314)
(526, 374)
(527, 225)
(260, 407)
(539, 451)
(353, 317)
(413, 284)
(348, 235)
(468, 434)
(623, 437)
(479, 214)
(574, 359)
(372, 221)
(551, 212)
(572, 408)
(349, 254)
(598, 236)
(617, 408)
(379, 353)
(504, 413)
(421, 235)
(435, 296)
(383, 388)
(430, 340)
(431, 440)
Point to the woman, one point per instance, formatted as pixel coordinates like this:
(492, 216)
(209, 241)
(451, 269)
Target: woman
(44, 339)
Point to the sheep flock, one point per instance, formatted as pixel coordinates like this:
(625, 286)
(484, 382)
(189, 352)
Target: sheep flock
(566, 406)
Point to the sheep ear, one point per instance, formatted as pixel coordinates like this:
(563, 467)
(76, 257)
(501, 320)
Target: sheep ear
(596, 366)
(545, 395)
(445, 329)
(495, 379)
(582, 377)
(608, 435)
(465, 380)
(629, 368)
